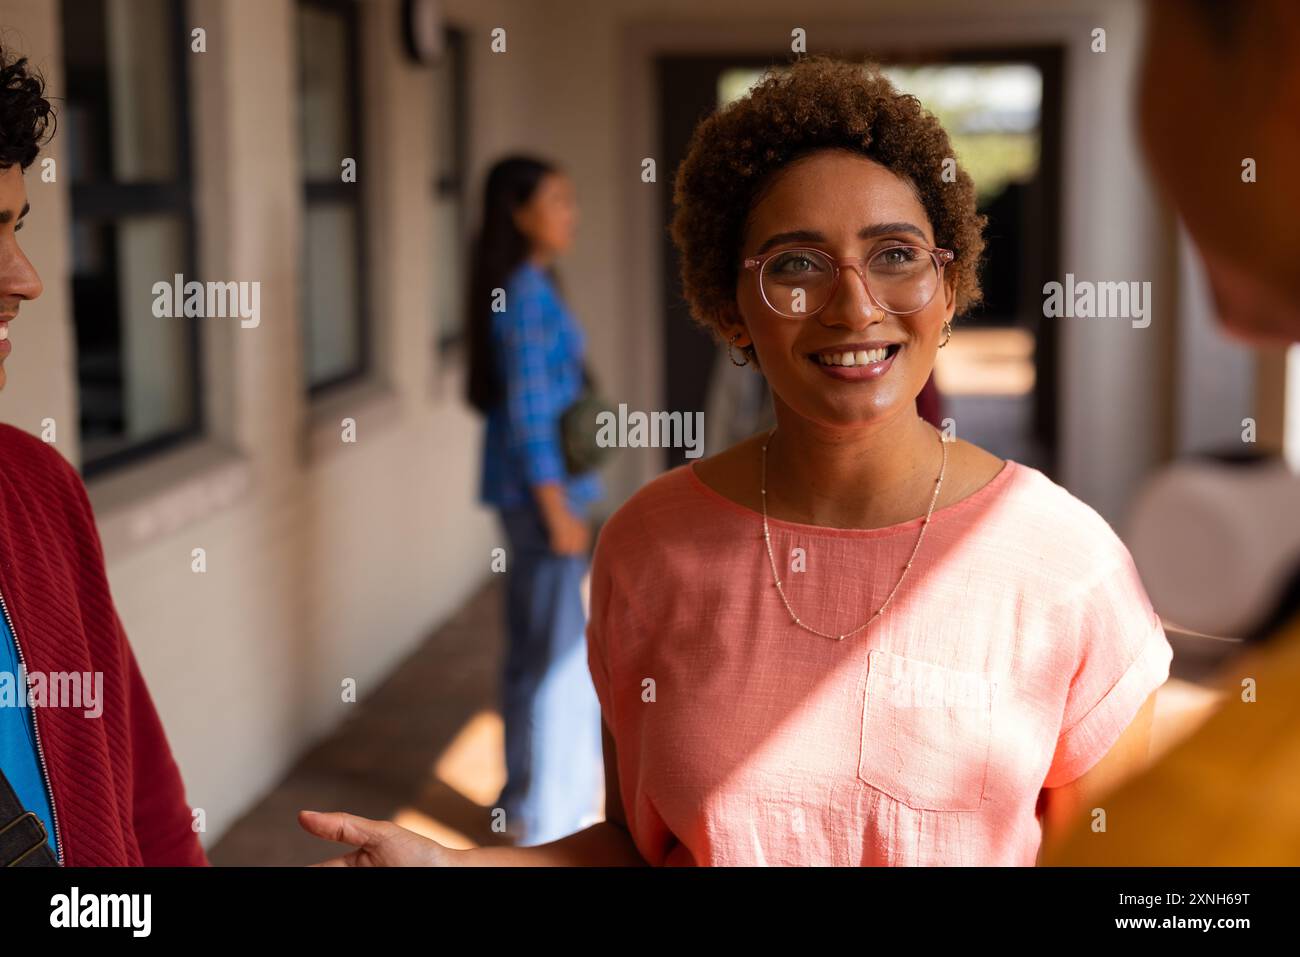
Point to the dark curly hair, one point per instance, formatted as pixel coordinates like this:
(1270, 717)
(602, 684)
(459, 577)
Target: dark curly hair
(817, 103)
(26, 117)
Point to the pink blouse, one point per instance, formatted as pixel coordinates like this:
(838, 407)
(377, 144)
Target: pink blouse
(1018, 649)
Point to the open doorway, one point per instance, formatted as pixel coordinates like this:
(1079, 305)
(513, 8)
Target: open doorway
(998, 377)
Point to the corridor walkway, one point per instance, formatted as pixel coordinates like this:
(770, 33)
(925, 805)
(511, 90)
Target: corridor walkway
(425, 750)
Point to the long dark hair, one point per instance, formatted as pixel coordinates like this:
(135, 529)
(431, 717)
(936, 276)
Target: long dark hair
(498, 250)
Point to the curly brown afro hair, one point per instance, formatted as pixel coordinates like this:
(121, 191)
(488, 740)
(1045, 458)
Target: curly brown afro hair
(26, 118)
(816, 103)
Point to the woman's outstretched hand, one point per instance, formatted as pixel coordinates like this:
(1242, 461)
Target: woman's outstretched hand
(377, 843)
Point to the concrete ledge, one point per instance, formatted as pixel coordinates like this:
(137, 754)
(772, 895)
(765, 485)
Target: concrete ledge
(142, 503)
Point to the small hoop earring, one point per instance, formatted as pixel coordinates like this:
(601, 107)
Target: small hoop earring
(947, 333)
(742, 352)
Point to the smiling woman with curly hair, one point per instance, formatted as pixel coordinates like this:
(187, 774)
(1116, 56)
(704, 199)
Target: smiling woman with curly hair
(846, 640)
(821, 105)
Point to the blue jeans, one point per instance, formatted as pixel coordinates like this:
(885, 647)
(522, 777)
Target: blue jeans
(554, 764)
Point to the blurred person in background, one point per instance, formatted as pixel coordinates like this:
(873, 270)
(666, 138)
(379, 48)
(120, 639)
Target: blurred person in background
(1229, 793)
(525, 368)
(78, 789)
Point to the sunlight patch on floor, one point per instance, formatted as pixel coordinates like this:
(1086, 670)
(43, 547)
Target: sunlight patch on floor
(474, 762)
(473, 766)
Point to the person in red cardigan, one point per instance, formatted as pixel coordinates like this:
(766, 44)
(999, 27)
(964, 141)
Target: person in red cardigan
(106, 783)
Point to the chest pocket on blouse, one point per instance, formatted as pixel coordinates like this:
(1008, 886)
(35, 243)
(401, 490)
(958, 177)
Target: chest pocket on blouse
(925, 733)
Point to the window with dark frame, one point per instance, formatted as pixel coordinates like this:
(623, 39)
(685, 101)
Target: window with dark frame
(450, 154)
(125, 131)
(336, 335)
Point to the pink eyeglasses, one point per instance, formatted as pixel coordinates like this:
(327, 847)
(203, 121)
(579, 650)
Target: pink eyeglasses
(797, 283)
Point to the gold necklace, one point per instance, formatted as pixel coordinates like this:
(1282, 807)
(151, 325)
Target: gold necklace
(776, 578)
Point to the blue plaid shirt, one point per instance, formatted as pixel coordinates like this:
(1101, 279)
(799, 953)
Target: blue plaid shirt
(538, 347)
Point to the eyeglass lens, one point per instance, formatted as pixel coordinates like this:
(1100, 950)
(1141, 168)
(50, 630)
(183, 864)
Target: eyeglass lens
(902, 279)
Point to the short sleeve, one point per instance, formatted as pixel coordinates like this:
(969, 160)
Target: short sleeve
(1121, 657)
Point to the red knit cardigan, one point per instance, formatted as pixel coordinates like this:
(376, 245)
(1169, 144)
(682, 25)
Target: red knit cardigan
(118, 796)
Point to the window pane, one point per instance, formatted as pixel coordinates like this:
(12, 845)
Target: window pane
(326, 70)
(135, 370)
(448, 150)
(448, 268)
(330, 293)
(334, 337)
(124, 134)
(446, 147)
(121, 115)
